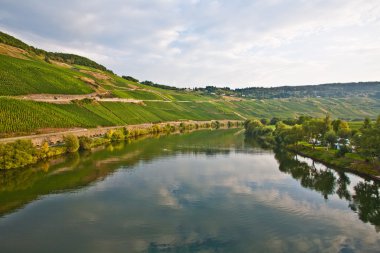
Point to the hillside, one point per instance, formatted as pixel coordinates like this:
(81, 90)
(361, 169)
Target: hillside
(40, 91)
(332, 90)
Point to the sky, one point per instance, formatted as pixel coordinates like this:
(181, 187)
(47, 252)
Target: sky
(189, 43)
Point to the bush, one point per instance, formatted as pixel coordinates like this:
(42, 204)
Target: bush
(118, 135)
(17, 154)
(71, 143)
(85, 143)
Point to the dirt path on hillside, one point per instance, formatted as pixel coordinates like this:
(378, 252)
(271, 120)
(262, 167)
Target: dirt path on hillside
(57, 98)
(67, 99)
(241, 116)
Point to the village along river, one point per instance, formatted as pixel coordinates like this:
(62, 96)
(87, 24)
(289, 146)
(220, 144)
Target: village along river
(206, 191)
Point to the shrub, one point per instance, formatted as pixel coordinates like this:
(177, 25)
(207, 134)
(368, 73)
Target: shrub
(85, 143)
(118, 135)
(71, 143)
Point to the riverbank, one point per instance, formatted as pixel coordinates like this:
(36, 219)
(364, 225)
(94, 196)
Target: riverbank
(27, 150)
(349, 162)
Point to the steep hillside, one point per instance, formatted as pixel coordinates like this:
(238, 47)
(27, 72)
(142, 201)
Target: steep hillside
(40, 90)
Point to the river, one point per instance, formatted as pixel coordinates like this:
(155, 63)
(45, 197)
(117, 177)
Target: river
(206, 191)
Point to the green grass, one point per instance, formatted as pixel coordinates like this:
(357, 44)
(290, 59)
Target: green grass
(18, 77)
(136, 94)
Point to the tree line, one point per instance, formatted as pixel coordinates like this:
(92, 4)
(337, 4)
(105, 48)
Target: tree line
(324, 133)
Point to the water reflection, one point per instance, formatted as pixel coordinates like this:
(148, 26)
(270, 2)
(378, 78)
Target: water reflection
(363, 197)
(77, 170)
(199, 192)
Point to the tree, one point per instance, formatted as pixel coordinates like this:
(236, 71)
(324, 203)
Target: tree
(264, 121)
(330, 138)
(252, 127)
(118, 135)
(290, 122)
(368, 144)
(294, 135)
(17, 154)
(344, 130)
(335, 124)
(71, 143)
(130, 78)
(274, 121)
(326, 125)
(302, 119)
(44, 150)
(314, 129)
(366, 124)
(341, 128)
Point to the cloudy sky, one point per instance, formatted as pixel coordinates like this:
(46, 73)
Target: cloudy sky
(210, 42)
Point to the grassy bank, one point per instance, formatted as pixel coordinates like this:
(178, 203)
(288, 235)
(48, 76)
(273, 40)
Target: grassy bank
(351, 161)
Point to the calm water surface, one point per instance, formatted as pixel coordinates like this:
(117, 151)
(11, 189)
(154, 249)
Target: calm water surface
(207, 191)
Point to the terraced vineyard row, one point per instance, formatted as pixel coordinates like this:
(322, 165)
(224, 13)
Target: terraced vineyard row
(28, 116)
(18, 77)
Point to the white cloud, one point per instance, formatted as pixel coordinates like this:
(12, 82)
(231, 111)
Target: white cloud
(187, 43)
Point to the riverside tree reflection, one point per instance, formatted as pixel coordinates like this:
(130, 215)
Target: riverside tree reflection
(364, 199)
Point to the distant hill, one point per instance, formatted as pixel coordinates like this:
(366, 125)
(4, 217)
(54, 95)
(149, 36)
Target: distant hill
(40, 91)
(334, 90)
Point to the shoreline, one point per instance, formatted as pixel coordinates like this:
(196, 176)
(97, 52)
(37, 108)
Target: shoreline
(41, 147)
(366, 170)
(56, 137)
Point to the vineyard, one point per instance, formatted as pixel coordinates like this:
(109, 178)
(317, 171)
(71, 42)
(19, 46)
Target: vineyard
(29, 116)
(346, 108)
(136, 94)
(18, 77)
(79, 75)
(18, 116)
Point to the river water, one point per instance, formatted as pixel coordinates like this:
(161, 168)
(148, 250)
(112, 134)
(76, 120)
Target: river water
(206, 191)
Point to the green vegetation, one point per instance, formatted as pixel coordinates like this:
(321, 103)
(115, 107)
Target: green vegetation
(329, 141)
(136, 94)
(18, 77)
(362, 196)
(12, 41)
(39, 73)
(71, 143)
(22, 116)
(22, 152)
(332, 90)
(345, 108)
(75, 170)
(47, 56)
(74, 59)
(27, 116)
